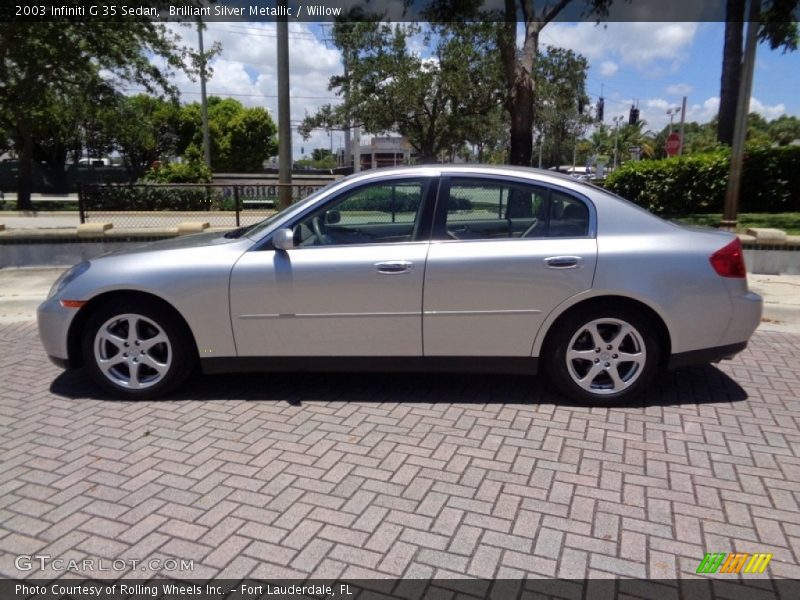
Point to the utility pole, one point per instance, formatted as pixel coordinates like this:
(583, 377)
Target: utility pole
(617, 121)
(357, 150)
(683, 122)
(348, 148)
(203, 99)
(729, 214)
(284, 125)
(541, 145)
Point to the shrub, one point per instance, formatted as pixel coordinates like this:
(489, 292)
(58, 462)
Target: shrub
(144, 197)
(697, 183)
(189, 171)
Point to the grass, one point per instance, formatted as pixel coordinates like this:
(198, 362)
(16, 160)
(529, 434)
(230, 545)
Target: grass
(789, 222)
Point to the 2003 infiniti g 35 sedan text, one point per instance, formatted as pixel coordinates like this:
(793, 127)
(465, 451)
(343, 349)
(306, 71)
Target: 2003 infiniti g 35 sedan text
(429, 268)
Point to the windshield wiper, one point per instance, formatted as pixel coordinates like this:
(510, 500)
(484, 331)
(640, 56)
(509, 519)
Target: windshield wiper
(237, 233)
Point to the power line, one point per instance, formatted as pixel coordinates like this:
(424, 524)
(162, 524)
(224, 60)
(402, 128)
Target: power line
(225, 95)
(304, 36)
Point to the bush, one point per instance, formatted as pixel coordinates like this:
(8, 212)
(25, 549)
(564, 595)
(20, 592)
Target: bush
(144, 197)
(697, 183)
(189, 171)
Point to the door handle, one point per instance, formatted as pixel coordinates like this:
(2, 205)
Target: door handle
(563, 262)
(393, 267)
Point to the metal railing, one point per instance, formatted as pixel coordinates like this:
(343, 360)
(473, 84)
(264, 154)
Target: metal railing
(168, 204)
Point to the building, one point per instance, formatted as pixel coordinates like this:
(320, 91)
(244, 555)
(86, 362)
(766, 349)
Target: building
(386, 152)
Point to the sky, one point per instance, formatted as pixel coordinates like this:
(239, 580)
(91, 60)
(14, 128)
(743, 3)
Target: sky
(655, 64)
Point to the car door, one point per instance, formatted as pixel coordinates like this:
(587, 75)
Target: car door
(351, 286)
(505, 253)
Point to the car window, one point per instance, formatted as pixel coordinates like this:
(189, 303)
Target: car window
(490, 209)
(385, 212)
(569, 217)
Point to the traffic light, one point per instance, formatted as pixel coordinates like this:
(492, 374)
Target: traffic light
(600, 106)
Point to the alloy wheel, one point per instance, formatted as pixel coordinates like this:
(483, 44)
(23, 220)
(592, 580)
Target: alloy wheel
(132, 351)
(606, 356)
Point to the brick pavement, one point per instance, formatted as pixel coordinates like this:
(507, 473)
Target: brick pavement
(402, 475)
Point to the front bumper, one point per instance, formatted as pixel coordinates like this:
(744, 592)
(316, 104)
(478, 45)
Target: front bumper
(54, 321)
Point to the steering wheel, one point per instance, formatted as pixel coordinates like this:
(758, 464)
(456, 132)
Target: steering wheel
(318, 226)
(531, 227)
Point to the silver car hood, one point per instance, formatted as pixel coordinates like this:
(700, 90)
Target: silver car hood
(182, 242)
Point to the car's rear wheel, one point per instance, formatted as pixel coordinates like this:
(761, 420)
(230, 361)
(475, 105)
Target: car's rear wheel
(603, 356)
(136, 349)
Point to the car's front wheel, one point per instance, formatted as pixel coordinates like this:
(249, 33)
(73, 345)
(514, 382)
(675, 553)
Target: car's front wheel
(136, 349)
(603, 356)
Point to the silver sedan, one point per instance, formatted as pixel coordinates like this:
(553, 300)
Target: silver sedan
(492, 269)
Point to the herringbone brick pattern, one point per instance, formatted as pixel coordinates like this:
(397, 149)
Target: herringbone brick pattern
(402, 475)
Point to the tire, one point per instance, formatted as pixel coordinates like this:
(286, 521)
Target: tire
(137, 349)
(585, 356)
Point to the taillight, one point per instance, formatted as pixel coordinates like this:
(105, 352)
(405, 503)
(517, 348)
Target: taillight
(729, 260)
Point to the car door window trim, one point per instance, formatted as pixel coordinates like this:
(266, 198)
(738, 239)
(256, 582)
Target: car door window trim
(439, 230)
(421, 233)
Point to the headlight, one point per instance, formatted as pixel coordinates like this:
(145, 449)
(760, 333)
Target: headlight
(68, 276)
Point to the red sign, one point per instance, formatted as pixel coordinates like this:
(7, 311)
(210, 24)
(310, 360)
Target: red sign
(673, 144)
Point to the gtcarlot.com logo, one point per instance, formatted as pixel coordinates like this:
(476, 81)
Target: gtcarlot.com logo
(740, 562)
(29, 562)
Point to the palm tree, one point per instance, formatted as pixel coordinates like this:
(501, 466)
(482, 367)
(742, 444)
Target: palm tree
(635, 136)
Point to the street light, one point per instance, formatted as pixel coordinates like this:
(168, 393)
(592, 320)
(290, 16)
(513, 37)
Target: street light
(617, 120)
(672, 112)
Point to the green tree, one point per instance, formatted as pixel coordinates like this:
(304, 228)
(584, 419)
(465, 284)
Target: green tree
(437, 103)
(784, 130)
(144, 130)
(778, 29)
(517, 39)
(606, 140)
(43, 60)
(696, 138)
(241, 138)
(192, 169)
(560, 98)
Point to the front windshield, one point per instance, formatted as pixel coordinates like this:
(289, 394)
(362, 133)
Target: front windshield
(253, 231)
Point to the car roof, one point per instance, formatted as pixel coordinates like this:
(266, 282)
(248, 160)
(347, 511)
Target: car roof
(539, 174)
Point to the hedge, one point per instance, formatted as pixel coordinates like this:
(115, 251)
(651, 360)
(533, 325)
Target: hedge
(148, 198)
(697, 183)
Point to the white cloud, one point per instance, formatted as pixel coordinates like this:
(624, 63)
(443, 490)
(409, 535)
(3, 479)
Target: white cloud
(246, 70)
(641, 45)
(768, 112)
(654, 111)
(679, 89)
(608, 68)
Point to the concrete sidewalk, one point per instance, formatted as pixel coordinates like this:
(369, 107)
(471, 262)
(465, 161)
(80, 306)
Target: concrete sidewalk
(23, 289)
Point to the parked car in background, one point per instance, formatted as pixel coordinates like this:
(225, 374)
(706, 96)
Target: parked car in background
(494, 269)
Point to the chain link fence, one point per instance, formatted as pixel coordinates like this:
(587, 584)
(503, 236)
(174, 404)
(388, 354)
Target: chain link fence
(168, 204)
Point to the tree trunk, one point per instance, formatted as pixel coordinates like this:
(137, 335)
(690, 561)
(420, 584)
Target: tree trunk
(731, 70)
(518, 69)
(521, 149)
(25, 175)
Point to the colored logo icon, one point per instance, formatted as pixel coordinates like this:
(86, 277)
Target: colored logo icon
(742, 562)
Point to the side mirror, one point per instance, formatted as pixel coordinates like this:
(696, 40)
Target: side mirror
(283, 239)
(332, 217)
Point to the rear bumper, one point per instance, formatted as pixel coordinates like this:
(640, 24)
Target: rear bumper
(705, 355)
(745, 318)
